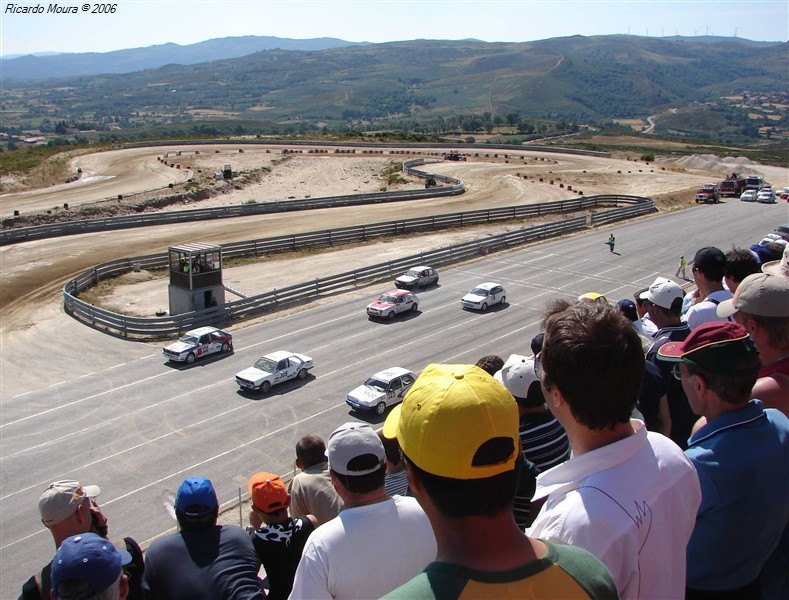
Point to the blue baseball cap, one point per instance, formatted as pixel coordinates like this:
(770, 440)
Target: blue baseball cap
(628, 308)
(89, 558)
(196, 497)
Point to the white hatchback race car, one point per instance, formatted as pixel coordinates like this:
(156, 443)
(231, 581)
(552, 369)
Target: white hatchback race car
(272, 369)
(382, 390)
(484, 295)
(198, 342)
(417, 277)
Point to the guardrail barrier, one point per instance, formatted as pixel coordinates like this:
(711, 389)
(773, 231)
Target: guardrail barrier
(256, 305)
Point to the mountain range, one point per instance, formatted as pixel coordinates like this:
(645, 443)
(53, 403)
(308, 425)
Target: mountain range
(47, 65)
(584, 79)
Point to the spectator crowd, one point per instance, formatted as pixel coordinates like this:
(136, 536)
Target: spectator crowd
(634, 450)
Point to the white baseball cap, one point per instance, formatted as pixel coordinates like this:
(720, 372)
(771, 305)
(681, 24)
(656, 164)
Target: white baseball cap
(662, 292)
(353, 440)
(517, 375)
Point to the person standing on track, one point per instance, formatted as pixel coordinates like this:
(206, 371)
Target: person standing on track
(681, 268)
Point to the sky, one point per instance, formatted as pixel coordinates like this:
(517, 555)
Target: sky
(140, 23)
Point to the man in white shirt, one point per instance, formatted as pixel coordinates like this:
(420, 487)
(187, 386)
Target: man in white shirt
(377, 542)
(628, 496)
(709, 267)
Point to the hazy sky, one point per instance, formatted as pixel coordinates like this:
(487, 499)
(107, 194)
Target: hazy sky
(138, 23)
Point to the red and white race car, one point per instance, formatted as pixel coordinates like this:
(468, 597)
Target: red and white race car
(392, 303)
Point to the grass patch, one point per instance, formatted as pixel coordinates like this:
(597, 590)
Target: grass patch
(393, 174)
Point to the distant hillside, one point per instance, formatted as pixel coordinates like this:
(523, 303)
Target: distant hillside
(583, 79)
(44, 66)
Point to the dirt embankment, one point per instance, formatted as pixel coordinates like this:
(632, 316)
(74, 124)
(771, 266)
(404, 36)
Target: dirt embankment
(122, 182)
(33, 272)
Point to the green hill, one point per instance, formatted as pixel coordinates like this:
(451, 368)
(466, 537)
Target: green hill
(585, 79)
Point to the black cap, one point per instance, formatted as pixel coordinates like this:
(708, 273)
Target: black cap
(711, 261)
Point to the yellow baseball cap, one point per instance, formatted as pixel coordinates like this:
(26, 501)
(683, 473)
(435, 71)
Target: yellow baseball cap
(449, 413)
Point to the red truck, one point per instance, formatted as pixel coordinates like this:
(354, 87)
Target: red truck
(733, 185)
(709, 193)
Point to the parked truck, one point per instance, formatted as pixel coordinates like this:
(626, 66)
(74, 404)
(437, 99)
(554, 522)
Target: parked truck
(733, 185)
(709, 193)
(754, 182)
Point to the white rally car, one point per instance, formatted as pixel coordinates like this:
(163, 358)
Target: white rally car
(198, 342)
(381, 390)
(272, 369)
(484, 295)
(417, 277)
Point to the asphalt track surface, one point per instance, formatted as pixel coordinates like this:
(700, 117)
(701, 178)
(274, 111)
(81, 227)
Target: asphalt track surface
(139, 428)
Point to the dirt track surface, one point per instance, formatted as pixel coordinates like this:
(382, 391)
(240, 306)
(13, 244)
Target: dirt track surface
(34, 273)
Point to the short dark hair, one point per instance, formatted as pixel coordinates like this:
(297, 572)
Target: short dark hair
(534, 396)
(191, 523)
(536, 343)
(741, 262)
(391, 449)
(594, 356)
(456, 498)
(311, 451)
(490, 363)
(675, 310)
(363, 484)
(733, 388)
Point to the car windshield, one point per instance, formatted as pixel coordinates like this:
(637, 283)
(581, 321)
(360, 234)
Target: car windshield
(388, 298)
(478, 291)
(266, 364)
(412, 273)
(375, 383)
(189, 339)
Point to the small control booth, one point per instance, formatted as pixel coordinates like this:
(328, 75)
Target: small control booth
(195, 277)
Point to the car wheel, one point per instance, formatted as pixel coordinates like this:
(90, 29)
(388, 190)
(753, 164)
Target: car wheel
(302, 373)
(225, 347)
(190, 358)
(484, 307)
(380, 408)
(265, 386)
(503, 300)
(391, 316)
(414, 308)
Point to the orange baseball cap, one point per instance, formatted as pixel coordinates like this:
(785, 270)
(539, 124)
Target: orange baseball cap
(268, 492)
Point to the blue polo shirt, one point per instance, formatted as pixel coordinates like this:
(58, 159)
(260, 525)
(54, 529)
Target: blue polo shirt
(742, 459)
